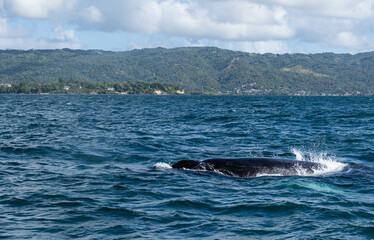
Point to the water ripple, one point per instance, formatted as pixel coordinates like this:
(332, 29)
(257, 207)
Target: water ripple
(81, 166)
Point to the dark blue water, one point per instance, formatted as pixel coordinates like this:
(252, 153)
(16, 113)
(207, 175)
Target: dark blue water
(97, 167)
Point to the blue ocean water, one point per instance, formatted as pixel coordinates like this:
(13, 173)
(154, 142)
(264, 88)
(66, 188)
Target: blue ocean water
(98, 167)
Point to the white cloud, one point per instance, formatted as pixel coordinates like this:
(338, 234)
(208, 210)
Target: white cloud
(232, 20)
(37, 9)
(354, 42)
(258, 24)
(4, 31)
(35, 43)
(14, 34)
(335, 24)
(239, 11)
(131, 16)
(62, 35)
(333, 8)
(7, 43)
(249, 25)
(260, 46)
(14, 31)
(21, 38)
(347, 39)
(92, 14)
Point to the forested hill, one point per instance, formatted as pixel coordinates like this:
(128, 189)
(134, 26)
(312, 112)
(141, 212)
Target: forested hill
(204, 69)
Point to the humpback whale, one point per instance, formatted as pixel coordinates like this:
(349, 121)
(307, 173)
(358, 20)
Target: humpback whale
(251, 167)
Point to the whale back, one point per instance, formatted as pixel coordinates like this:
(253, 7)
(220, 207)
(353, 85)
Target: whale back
(250, 167)
(186, 164)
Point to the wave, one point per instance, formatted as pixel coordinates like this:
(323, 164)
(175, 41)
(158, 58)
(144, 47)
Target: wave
(329, 163)
(28, 150)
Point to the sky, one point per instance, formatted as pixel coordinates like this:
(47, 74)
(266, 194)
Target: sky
(258, 26)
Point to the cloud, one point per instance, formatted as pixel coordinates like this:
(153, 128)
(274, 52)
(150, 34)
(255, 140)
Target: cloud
(336, 24)
(35, 43)
(354, 42)
(255, 23)
(61, 38)
(260, 46)
(13, 31)
(352, 9)
(29, 43)
(239, 11)
(92, 14)
(127, 16)
(347, 39)
(62, 35)
(223, 20)
(250, 25)
(230, 20)
(17, 37)
(34, 9)
(16, 34)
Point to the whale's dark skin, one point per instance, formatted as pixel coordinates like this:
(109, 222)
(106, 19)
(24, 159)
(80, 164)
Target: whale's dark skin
(250, 167)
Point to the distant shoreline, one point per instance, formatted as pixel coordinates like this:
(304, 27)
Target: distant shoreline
(125, 88)
(81, 87)
(186, 94)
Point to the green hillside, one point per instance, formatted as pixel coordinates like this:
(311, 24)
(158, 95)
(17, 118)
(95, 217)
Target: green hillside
(204, 69)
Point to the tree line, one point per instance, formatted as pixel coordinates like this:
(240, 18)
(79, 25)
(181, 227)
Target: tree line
(84, 87)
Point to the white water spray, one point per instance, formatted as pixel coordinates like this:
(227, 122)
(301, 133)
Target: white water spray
(329, 162)
(161, 165)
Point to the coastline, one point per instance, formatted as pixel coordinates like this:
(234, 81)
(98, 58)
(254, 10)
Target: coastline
(191, 94)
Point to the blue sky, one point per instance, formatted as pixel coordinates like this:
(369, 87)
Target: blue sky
(260, 26)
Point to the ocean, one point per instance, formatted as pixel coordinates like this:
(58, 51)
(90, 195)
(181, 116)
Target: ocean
(98, 167)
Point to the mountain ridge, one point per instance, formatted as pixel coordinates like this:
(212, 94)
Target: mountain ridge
(203, 69)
